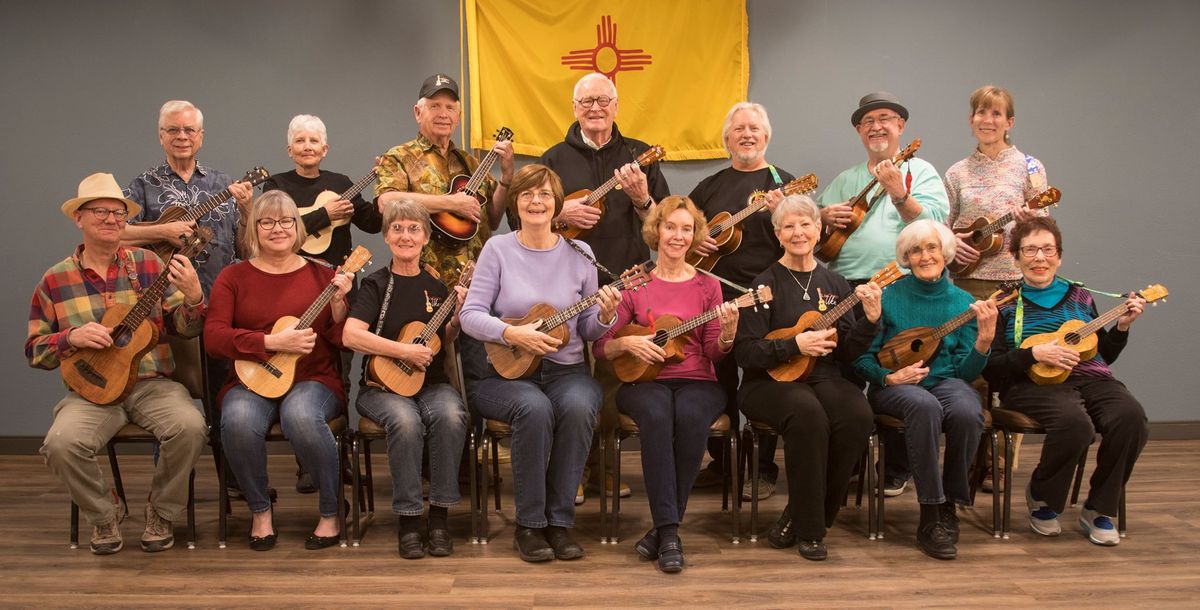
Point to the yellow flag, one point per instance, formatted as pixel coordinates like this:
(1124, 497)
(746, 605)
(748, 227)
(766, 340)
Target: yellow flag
(678, 65)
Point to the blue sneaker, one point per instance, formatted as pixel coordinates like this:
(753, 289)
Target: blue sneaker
(1042, 519)
(1099, 528)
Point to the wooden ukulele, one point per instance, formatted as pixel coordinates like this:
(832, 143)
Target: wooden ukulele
(1081, 337)
(987, 235)
(512, 362)
(107, 376)
(178, 213)
(595, 198)
(453, 227)
(922, 342)
(274, 377)
(860, 205)
(671, 334)
(726, 230)
(318, 242)
(798, 367)
(401, 377)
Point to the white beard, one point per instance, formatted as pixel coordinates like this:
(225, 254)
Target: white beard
(747, 158)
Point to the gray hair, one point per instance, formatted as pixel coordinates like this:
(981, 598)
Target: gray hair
(306, 122)
(405, 209)
(422, 101)
(173, 106)
(795, 204)
(587, 78)
(918, 231)
(278, 202)
(758, 109)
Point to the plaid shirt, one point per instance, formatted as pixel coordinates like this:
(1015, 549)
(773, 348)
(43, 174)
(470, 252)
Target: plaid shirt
(71, 295)
(418, 166)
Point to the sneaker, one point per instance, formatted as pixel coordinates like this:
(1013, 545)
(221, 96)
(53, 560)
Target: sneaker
(935, 541)
(106, 538)
(813, 550)
(1099, 528)
(781, 535)
(766, 488)
(949, 519)
(989, 486)
(1042, 519)
(894, 487)
(159, 534)
(608, 487)
(579, 494)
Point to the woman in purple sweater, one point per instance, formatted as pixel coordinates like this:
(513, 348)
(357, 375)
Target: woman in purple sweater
(552, 412)
(675, 411)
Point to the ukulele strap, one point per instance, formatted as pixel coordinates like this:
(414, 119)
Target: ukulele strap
(595, 263)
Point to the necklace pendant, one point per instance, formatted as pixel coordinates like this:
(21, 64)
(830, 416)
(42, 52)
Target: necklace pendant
(806, 297)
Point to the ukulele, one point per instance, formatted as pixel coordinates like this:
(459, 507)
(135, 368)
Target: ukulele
(512, 362)
(595, 198)
(1081, 337)
(107, 376)
(922, 342)
(671, 334)
(401, 377)
(453, 227)
(798, 367)
(178, 213)
(987, 235)
(318, 242)
(725, 228)
(832, 244)
(273, 377)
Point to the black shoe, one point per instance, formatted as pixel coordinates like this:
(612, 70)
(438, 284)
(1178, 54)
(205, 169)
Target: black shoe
(316, 543)
(304, 482)
(531, 544)
(935, 541)
(670, 556)
(710, 476)
(813, 550)
(411, 545)
(440, 544)
(565, 547)
(949, 520)
(781, 535)
(262, 543)
(647, 547)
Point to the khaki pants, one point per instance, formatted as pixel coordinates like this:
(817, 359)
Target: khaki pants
(81, 429)
(982, 289)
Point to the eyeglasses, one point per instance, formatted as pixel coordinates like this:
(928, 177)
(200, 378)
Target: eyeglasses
(413, 229)
(268, 224)
(101, 214)
(882, 121)
(926, 249)
(530, 195)
(603, 100)
(1032, 251)
(174, 131)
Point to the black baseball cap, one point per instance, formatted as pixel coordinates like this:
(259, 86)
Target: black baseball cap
(439, 82)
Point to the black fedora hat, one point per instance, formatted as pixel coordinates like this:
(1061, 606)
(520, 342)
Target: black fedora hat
(874, 101)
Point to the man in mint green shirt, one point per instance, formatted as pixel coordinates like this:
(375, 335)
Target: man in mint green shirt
(908, 192)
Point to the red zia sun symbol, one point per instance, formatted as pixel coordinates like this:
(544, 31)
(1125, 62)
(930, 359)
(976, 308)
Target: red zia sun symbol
(606, 58)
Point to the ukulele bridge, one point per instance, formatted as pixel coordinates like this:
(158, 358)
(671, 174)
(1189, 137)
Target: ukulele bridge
(272, 369)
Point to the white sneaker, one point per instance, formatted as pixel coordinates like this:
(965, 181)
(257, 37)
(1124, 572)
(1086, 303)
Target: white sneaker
(892, 489)
(1099, 528)
(1043, 520)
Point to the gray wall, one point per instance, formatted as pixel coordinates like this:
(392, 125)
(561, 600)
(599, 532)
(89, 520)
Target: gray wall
(1099, 101)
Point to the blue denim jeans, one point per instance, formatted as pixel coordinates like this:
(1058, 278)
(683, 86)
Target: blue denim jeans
(436, 417)
(950, 407)
(303, 414)
(552, 414)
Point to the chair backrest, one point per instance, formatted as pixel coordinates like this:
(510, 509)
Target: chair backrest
(189, 364)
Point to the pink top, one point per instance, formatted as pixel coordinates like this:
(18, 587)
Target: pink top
(684, 300)
(979, 186)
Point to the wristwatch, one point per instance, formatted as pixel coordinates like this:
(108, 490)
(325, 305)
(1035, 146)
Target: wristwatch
(645, 206)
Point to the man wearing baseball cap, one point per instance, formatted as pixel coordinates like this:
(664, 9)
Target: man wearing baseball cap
(65, 316)
(421, 170)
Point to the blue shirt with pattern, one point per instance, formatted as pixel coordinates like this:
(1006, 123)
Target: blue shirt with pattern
(160, 187)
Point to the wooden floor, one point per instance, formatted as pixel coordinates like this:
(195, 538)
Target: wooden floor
(1155, 566)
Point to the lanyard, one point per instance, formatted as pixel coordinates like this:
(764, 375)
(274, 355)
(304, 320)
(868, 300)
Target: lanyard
(775, 175)
(1019, 319)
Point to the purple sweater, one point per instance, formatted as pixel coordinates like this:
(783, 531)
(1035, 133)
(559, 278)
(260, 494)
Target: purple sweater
(511, 278)
(684, 300)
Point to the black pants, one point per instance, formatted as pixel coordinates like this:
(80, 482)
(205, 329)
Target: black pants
(1072, 412)
(727, 377)
(673, 418)
(825, 425)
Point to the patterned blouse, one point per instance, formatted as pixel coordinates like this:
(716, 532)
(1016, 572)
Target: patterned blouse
(979, 186)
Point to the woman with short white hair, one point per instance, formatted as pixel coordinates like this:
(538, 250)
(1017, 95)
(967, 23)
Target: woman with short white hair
(933, 397)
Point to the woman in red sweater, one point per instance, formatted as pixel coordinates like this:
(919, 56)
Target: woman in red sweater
(247, 299)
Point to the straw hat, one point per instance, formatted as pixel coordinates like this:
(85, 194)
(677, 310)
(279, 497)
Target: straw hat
(98, 186)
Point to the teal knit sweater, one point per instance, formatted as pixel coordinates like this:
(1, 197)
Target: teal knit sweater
(913, 302)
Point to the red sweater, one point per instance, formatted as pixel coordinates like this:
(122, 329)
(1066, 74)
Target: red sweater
(246, 302)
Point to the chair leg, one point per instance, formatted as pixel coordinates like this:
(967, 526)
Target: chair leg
(75, 525)
(754, 440)
(191, 510)
(880, 483)
(1006, 525)
(869, 474)
(1079, 468)
(223, 504)
(341, 486)
(614, 534)
(1121, 514)
(725, 481)
(730, 452)
(355, 487)
(995, 484)
(604, 469)
(370, 474)
(496, 470)
(116, 474)
(484, 526)
(472, 480)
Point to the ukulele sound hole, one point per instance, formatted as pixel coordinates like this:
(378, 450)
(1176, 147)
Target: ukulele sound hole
(660, 338)
(915, 346)
(121, 336)
(1072, 338)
